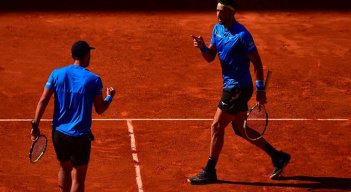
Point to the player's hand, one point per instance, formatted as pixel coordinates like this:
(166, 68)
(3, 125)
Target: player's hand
(261, 97)
(111, 91)
(198, 41)
(35, 132)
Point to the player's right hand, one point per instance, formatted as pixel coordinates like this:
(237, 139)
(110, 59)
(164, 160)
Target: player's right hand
(111, 91)
(261, 97)
(35, 132)
(198, 41)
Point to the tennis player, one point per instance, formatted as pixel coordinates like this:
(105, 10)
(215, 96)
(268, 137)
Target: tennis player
(235, 48)
(76, 89)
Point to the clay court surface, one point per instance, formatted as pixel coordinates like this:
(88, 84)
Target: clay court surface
(169, 94)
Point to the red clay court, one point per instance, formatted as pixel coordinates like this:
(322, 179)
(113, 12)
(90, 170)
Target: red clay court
(157, 131)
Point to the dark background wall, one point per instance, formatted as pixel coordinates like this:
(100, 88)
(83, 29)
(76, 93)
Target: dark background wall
(171, 4)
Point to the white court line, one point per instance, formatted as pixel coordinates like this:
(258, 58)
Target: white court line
(185, 119)
(135, 156)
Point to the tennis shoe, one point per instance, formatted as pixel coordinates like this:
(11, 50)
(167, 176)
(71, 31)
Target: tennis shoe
(279, 164)
(204, 177)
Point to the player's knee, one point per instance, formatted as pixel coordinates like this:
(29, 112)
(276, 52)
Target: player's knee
(215, 126)
(217, 129)
(66, 166)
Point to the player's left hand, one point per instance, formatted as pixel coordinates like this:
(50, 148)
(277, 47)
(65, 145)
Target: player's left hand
(111, 91)
(261, 97)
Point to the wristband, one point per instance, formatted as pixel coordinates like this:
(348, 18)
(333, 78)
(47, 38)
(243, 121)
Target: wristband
(259, 85)
(108, 99)
(203, 49)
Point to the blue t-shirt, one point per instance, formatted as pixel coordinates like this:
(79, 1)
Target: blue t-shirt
(233, 45)
(75, 88)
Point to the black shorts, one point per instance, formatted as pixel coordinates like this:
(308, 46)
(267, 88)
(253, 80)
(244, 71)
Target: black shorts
(74, 149)
(235, 100)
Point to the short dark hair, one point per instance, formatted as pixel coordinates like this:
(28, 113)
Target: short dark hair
(231, 3)
(80, 49)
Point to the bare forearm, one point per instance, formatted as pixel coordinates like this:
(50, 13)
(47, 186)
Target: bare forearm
(42, 104)
(208, 53)
(208, 56)
(257, 63)
(103, 107)
(259, 71)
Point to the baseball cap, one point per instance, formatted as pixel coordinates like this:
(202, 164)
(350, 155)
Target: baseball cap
(80, 49)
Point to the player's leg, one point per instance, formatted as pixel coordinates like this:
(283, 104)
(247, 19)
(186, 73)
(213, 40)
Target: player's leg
(64, 176)
(261, 143)
(78, 178)
(224, 115)
(62, 148)
(279, 158)
(208, 174)
(220, 122)
(80, 159)
(240, 108)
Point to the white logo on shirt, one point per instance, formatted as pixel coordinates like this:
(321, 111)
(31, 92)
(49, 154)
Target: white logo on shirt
(224, 103)
(218, 35)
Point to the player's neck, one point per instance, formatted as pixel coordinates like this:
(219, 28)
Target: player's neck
(230, 23)
(79, 63)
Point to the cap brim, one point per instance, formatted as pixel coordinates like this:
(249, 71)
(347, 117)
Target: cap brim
(92, 47)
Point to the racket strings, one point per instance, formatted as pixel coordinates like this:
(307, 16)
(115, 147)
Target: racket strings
(38, 148)
(256, 122)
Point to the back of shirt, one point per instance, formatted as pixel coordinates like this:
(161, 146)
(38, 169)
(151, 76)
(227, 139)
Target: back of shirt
(75, 88)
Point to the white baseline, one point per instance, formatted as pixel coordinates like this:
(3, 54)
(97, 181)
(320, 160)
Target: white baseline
(135, 156)
(186, 119)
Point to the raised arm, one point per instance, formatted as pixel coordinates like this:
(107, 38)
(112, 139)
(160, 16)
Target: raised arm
(101, 104)
(208, 53)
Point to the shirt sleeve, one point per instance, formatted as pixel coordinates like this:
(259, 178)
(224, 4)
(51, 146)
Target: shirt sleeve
(50, 84)
(213, 39)
(247, 40)
(98, 86)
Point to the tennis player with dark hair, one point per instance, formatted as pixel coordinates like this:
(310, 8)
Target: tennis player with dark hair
(76, 90)
(235, 48)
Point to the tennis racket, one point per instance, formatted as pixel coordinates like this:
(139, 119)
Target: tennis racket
(256, 122)
(38, 147)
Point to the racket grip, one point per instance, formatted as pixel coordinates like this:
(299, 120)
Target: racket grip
(268, 78)
(34, 124)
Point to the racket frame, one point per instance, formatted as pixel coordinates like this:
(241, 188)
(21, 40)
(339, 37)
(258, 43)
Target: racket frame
(265, 126)
(32, 147)
(268, 78)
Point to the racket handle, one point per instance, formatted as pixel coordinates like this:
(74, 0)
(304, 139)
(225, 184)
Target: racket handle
(268, 78)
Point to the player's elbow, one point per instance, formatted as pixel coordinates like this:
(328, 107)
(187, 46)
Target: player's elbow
(99, 110)
(258, 67)
(44, 101)
(209, 60)
(210, 57)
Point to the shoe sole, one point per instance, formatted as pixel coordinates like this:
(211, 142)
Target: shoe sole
(201, 182)
(279, 172)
